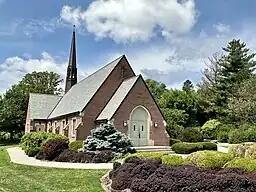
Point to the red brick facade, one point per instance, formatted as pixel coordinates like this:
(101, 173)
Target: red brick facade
(139, 95)
(101, 98)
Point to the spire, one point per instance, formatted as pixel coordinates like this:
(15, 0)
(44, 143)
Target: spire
(71, 78)
(72, 56)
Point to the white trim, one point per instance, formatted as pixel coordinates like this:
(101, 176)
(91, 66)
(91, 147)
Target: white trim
(149, 122)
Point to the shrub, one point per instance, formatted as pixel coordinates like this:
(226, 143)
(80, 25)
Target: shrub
(209, 159)
(149, 155)
(76, 145)
(251, 151)
(103, 157)
(186, 148)
(66, 156)
(222, 136)
(144, 175)
(173, 141)
(32, 142)
(209, 129)
(237, 150)
(247, 164)
(108, 138)
(52, 149)
(245, 133)
(173, 160)
(192, 135)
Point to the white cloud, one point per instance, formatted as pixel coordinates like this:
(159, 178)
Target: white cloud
(187, 55)
(222, 28)
(14, 68)
(133, 20)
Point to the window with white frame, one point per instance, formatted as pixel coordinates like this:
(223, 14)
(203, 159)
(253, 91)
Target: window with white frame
(73, 127)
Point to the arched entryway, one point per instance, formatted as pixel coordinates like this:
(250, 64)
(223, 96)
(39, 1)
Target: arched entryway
(139, 126)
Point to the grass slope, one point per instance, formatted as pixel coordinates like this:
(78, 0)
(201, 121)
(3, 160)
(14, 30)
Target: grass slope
(19, 178)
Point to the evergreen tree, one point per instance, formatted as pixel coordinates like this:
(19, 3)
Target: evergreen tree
(236, 66)
(188, 86)
(108, 138)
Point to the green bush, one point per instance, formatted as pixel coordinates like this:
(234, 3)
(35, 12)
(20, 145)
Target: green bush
(247, 164)
(209, 159)
(209, 129)
(245, 133)
(173, 160)
(186, 148)
(149, 155)
(191, 135)
(223, 132)
(222, 136)
(173, 141)
(32, 142)
(76, 145)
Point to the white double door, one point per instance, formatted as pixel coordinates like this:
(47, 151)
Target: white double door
(139, 133)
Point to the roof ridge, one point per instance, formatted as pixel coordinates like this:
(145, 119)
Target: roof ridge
(99, 69)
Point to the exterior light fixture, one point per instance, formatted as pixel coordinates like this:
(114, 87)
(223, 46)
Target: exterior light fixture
(155, 124)
(125, 123)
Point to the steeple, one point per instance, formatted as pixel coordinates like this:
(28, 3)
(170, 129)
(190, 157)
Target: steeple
(71, 78)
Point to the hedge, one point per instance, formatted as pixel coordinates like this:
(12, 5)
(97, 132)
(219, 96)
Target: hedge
(173, 141)
(148, 155)
(247, 164)
(245, 133)
(150, 176)
(209, 159)
(173, 160)
(76, 145)
(186, 148)
(32, 142)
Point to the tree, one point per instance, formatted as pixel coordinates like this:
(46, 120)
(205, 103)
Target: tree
(188, 86)
(242, 106)
(181, 100)
(42, 82)
(15, 100)
(108, 138)
(156, 88)
(236, 66)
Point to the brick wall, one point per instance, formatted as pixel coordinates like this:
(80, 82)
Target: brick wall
(140, 95)
(101, 98)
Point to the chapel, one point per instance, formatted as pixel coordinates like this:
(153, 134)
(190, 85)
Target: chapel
(112, 94)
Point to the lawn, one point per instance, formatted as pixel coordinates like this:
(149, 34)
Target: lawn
(19, 178)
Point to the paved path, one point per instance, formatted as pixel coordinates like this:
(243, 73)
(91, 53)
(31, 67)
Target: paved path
(19, 157)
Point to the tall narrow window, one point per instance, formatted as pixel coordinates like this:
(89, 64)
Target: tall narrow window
(133, 127)
(74, 126)
(141, 127)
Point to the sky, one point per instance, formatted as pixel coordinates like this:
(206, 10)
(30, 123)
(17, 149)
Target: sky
(165, 40)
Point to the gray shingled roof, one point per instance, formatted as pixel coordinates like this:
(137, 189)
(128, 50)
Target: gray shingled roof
(41, 105)
(81, 93)
(117, 98)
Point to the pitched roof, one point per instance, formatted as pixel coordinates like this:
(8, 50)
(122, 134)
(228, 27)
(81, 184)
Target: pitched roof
(41, 105)
(117, 98)
(81, 93)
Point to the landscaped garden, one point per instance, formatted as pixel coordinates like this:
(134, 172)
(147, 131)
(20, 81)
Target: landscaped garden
(20, 178)
(102, 146)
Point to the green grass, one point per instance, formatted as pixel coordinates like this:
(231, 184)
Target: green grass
(20, 178)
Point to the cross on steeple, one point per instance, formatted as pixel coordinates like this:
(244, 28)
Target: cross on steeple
(71, 78)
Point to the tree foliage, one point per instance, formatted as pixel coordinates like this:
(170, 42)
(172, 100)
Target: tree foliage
(156, 88)
(14, 101)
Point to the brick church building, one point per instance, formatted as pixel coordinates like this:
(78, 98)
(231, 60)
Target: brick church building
(113, 93)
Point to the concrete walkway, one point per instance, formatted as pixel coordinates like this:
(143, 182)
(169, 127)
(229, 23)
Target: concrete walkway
(18, 156)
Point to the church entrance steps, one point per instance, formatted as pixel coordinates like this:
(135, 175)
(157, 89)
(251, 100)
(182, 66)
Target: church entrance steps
(155, 149)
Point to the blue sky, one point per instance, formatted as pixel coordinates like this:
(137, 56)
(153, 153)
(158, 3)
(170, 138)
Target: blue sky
(35, 35)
